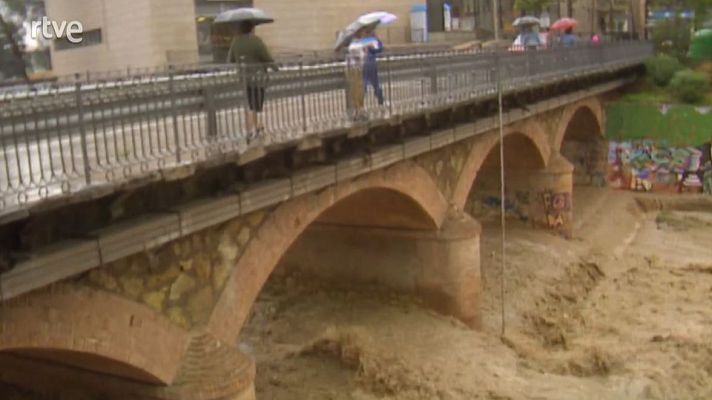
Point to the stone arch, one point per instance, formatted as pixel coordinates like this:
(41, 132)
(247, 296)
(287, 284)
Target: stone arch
(580, 139)
(403, 185)
(589, 109)
(93, 330)
(531, 130)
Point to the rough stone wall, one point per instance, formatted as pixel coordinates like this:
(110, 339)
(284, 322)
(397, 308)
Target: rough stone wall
(183, 279)
(445, 165)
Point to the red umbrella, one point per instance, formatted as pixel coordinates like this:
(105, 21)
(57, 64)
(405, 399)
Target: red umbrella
(564, 24)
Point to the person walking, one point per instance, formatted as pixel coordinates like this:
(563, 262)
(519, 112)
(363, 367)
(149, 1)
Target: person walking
(569, 39)
(356, 55)
(530, 38)
(254, 59)
(374, 46)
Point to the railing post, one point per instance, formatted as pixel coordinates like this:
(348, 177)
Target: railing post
(82, 129)
(210, 112)
(389, 76)
(433, 77)
(242, 83)
(302, 95)
(174, 112)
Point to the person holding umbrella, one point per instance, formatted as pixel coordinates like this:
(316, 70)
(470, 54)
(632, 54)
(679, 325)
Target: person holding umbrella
(356, 54)
(566, 25)
(374, 46)
(362, 46)
(528, 37)
(251, 54)
(569, 39)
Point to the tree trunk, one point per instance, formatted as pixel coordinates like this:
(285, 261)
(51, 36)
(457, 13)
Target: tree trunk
(10, 35)
(569, 8)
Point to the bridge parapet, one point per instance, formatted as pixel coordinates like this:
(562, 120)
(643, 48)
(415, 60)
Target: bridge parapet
(61, 141)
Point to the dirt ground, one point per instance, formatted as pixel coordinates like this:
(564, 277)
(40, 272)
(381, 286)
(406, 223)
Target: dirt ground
(623, 311)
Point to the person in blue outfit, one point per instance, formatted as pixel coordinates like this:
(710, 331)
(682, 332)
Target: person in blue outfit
(374, 47)
(530, 38)
(569, 39)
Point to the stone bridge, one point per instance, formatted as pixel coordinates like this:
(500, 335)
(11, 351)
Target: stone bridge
(141, 291)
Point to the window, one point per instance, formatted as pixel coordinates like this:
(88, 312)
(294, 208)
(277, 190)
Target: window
(89, 38)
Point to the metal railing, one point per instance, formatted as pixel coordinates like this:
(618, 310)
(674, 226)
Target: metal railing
(100, 130)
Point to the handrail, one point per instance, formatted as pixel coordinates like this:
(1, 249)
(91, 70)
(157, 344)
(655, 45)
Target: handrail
(62, 139)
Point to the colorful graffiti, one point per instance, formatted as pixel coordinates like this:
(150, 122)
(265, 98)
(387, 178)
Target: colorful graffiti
(516, 206)
(555, 205)
(647, 165)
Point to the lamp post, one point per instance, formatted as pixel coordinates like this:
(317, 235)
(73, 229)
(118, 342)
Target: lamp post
(495, 17)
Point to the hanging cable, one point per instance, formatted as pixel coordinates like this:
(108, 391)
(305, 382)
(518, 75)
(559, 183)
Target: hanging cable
(502, 199)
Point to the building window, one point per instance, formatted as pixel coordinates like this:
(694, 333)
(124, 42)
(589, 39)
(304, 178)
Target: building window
(89, 38)
(213, 42)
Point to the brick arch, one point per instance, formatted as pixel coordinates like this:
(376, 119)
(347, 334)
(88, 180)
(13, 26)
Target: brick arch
(591, 105)
(484, 145)
(93, 330)
(286, 223)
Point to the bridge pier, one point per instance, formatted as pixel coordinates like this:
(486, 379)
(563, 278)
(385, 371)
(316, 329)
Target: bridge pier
(442, 266)
(550, 193)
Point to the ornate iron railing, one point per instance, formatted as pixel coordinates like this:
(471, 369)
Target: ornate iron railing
(96, 130)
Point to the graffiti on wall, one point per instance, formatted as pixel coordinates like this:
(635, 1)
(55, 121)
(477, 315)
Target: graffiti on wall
(555, 205)
(516, 205)
(647, 165)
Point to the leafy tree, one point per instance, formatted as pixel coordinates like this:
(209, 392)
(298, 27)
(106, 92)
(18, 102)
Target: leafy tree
(700, 7)
(532, 6)
(12, 14)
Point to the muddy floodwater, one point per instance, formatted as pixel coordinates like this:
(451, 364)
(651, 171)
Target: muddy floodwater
(622, 311)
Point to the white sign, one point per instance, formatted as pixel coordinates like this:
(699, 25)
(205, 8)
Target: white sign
(50, 30)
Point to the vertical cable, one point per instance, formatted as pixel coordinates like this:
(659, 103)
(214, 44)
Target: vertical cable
(502, 197)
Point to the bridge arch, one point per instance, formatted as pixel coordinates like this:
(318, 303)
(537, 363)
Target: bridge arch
(576, 116)
(580, 139)
(525, 142)
(403, 197)
(92, 330)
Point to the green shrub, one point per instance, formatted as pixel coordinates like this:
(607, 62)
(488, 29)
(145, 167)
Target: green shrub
(689, 86)
(662, 68)
(672, 36)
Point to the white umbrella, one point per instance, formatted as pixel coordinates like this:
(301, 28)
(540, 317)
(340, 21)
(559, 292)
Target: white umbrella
(528, 20)
(379, 17)
(244, 14)
(370, 20)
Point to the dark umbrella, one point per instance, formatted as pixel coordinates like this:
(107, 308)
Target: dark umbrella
(254, 15)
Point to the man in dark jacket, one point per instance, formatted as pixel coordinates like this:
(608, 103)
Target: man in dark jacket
(250, 52)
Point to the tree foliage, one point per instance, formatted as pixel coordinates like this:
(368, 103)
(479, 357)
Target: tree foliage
(12, 15)
(534, 7)
(700, 7)
(662, 68)
(689, 86)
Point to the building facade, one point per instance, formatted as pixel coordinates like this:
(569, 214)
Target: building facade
(153, 33)
(124, 34)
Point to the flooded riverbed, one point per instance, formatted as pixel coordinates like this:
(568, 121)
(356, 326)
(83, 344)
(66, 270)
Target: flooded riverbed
(623, 311)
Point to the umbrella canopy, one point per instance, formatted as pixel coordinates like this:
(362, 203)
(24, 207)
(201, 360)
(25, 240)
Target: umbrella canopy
(564, 24)
(527, 20)
(379, 17)
(254, 15)
(701, 45)
(366, 21)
